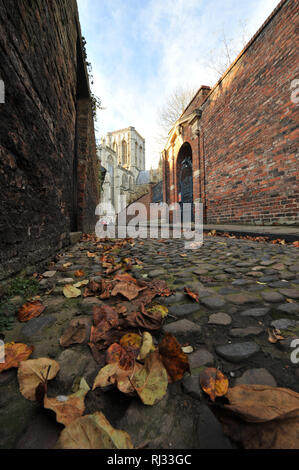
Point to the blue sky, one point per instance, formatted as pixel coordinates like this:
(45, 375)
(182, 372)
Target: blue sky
(141, 50)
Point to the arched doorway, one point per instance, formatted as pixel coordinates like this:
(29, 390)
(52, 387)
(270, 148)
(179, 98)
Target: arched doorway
(185, 175)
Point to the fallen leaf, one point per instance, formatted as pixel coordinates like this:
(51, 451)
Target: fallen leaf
(137, 261)
(33, 372)
(146, 347)
(131, 342)
(76, 333)
(128, 290)
(173, 358)
(107, 328)
(15, 353)
(113, 269)
(30, 310)
(261, 417)
(106, 376)
(71, 292)
(187, 349)
(151, 321)
(81, 284)
(92, 289)
(68, 408)
(119, 370)
(106, 288)
(161, 309)
(191, 294)
(123, 357)
(151, 381)
(93, 432)
(125, 277)
(121, 308)
(91, 255)
(274, 335)
(214, 383)
(67, 265)
(79, 273)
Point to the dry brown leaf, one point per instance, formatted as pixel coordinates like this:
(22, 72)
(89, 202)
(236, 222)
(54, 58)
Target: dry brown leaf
(113, 269)
(34, 372)
(151, 321)
(261, 417)
(191, 294)
(119, 370)
(68, 408)
(128, 290)
(76, 333)
(125, 277)
(174, 359)
(15, 353)
(30, 310)
(106, 288)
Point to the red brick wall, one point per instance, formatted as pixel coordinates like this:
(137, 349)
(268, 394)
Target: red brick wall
(247, 148)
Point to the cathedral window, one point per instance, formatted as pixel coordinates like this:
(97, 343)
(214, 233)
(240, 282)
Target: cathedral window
(124, 153)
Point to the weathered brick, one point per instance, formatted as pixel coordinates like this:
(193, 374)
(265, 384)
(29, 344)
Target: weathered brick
(246, 150)
(46, 126)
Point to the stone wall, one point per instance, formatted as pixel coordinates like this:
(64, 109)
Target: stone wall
(245, 144)
(48, 167)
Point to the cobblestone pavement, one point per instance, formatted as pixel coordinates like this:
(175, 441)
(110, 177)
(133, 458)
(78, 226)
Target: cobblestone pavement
(244, 288)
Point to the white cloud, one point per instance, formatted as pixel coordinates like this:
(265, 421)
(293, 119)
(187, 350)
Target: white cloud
(176, 37)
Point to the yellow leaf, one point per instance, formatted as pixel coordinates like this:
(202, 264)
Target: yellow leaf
(151, 381)
(187, 349)
(131, 341)
(71, 292)
(159, 309)
(67, 265)
(93, 432)
(146, 347)
(81, 284)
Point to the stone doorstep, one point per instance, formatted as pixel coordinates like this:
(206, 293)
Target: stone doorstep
(288, 233)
